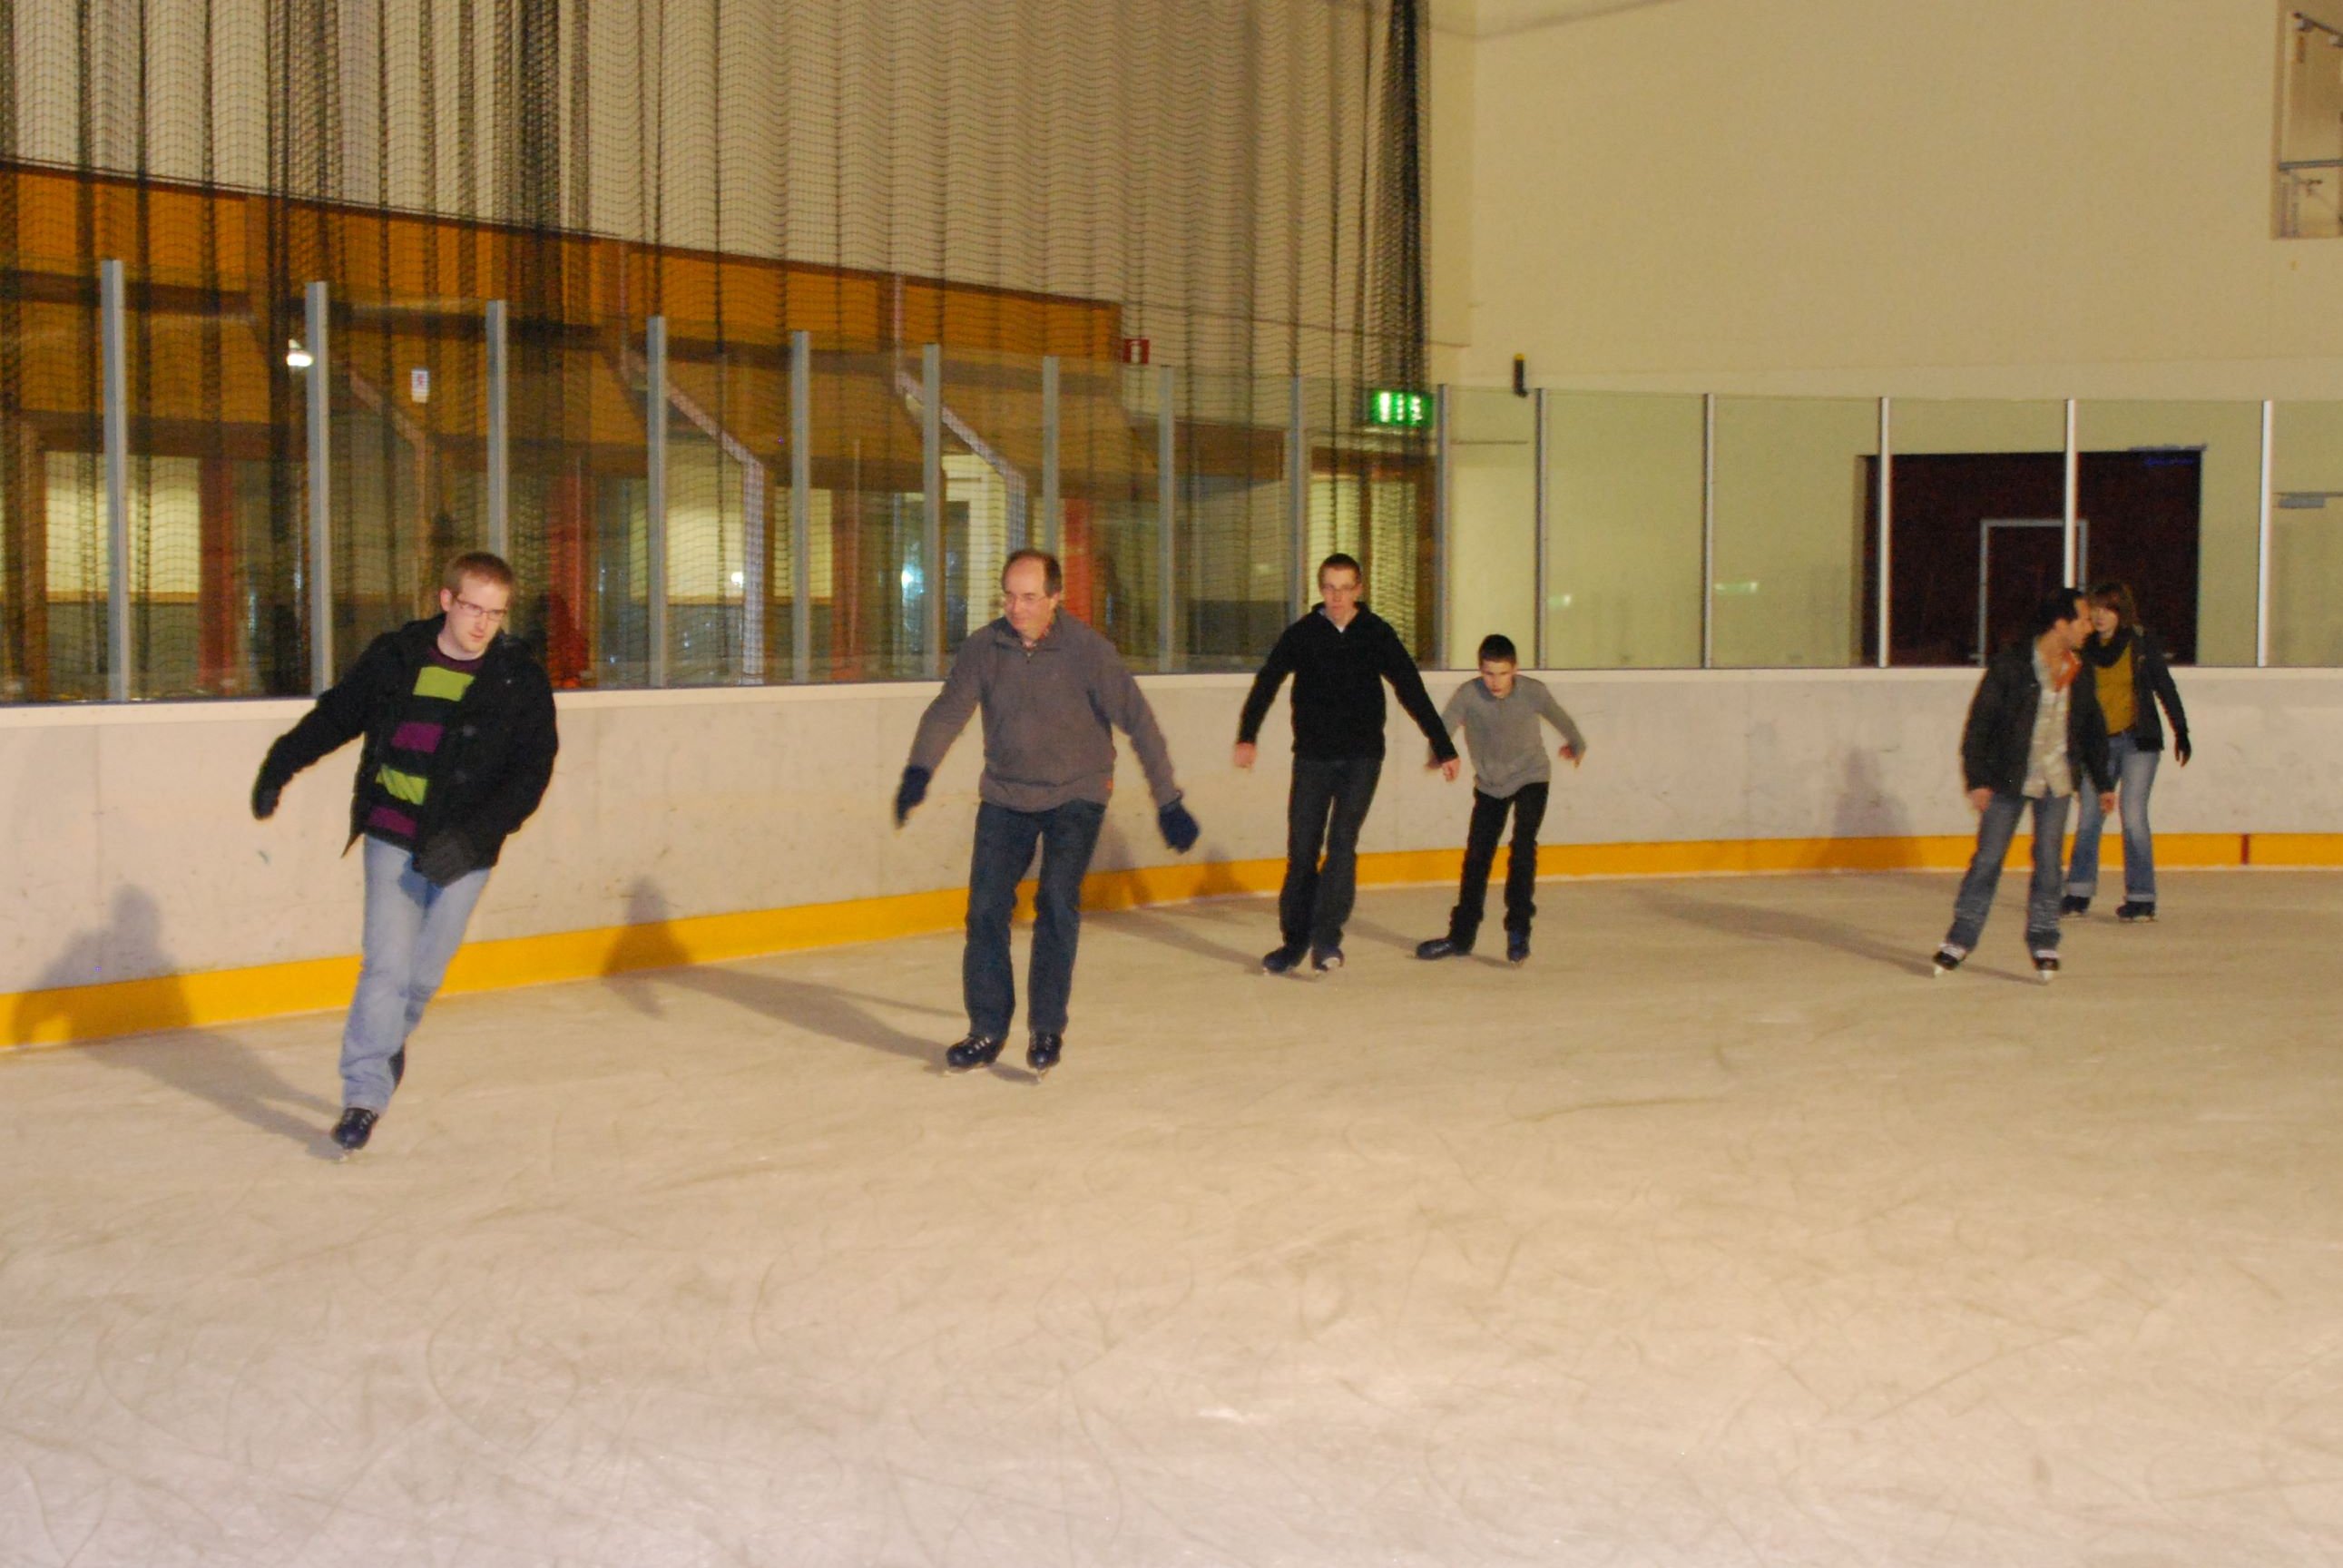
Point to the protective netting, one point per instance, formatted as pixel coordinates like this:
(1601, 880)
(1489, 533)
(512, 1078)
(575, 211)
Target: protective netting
(1064, 198)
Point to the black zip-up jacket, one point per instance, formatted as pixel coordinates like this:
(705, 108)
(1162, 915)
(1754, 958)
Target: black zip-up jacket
(1338, 687)
(493, 763)
(2151, 678)
(1999, 734)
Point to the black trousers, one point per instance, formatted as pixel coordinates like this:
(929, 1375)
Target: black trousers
(1325, 810)
(1527, 806)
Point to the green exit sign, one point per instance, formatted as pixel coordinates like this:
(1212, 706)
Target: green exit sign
(1391, 409)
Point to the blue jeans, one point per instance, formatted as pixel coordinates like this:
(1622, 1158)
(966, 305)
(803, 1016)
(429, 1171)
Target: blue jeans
(1325, 809)
(1004, 848)
(2135, 772)
(1997, 826)
(412, 929)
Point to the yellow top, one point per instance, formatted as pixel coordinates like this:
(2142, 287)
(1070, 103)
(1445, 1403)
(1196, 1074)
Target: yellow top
(2116, 692)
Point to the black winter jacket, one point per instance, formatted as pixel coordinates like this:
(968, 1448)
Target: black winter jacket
(493, 763)
(1999, 734)
(2151, 678)
(1338, 687)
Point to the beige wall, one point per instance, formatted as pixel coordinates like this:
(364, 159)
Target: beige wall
(1997, 198)
(137, 856)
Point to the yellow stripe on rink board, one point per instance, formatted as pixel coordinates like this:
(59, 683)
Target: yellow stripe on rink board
(269, 991)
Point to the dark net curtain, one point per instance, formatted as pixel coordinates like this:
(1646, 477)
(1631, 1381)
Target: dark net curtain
(1229, 190)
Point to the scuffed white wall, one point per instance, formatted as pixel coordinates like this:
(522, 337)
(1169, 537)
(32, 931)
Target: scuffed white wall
(133, 853)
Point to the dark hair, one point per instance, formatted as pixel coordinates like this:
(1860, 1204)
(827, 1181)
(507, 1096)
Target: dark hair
(1499, 647)
(1338, 561)
(2117, 596)
(478, 564)
(1053, 578)
(2059, 604)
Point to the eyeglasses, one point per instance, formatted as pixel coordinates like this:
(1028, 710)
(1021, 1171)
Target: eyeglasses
(480, 612)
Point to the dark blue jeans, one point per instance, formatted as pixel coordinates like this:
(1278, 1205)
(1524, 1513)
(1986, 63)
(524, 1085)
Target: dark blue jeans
(2135, 772)
(1004, 848)
(1996, 827)
(1327, 807)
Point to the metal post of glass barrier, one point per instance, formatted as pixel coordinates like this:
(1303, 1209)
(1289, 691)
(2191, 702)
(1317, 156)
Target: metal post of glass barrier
(2262, 542)
(2067, 557)
(931, 485)
(654, 539)
(1887, 522)
(1167, 494)
(114, 347)
(1538, 562)
(801, 505)
(321, 491)
(1297, 494)
(1046, 532)
(1708, 530)
(499, 434)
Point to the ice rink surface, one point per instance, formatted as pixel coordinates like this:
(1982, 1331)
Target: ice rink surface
(1718, 1234)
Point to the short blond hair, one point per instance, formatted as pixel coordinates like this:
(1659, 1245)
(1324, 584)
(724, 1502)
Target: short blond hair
(480, 564)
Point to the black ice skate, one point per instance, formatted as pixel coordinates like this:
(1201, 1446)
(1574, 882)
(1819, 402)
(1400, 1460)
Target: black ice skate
(1948, 959)
(973, 1050)
(354, 1128)
(2046, 967)
(2075, 904)
(1442, 948)
(1280, 960)
(2131, 911)
(1325, 960)
(1042, 1054)
(1517, 948)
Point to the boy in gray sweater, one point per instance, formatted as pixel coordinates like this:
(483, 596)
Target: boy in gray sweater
(1499, 714)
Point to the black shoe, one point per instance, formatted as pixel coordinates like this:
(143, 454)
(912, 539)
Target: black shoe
(1948, 959)
(399, 1067)
(973, 1050)
(2127, 913)
(355, 1128)
(1517, 947)
(2046, 967)
(1442, 948)
(1323, 959)
(2072, 905)
(1042, 1054)
(1280, 960)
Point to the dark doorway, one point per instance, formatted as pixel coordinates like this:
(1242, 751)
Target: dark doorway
(2142, 508)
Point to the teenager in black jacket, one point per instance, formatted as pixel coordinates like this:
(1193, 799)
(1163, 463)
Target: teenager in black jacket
(459, 739)
(1338, 655)
(2127, 666)
(2035, 736)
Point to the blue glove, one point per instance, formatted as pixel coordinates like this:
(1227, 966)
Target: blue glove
(911, 793)
(1178, 829)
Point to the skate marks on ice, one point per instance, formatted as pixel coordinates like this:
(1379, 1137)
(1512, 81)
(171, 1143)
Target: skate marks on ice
(1670, 1250)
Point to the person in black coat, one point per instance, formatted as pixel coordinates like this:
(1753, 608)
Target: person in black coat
(1338, 655)
(2127, 666)
(2035, 737)
(459, 738)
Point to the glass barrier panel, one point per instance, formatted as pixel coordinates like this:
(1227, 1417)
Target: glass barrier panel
(1623, 496)
(1491, 544)
(2305, 567)
(1978, 535)
(2173, 495)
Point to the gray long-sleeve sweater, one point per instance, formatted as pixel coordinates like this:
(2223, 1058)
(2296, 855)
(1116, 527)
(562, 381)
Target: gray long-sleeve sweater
(1047, 716)
(1508, 750)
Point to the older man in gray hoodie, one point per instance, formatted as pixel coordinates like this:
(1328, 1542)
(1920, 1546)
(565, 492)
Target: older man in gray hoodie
(1051, 687)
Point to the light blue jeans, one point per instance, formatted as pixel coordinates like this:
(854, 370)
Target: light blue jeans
(412, 931)
(2135, 774)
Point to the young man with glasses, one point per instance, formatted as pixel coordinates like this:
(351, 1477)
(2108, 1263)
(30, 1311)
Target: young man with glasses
(458, 730)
